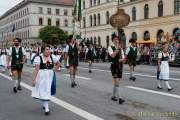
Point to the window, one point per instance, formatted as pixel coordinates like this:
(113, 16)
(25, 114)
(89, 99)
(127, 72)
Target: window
(84, 22)
(83, 4)
(57, 12)
(99, 2)
(107, 17)
(146, 35)
(94, 20)
(66, 23)
(57, 22)
(40, 10)
(176, 6)
(90, 20)
(146, 11)
(49, 21)
(99, 40)
(134, 14)
(160, 9)
(91, 3)
(160, 35)
(99, 19)
(95, 40)
(49, 10)
(65, 12)
(94, 2)
(134, 35)
(40, 21)
(107, 41)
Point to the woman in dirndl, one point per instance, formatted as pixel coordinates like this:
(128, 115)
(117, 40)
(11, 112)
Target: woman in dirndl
(3, 57)
(163, 67)
(44, 77)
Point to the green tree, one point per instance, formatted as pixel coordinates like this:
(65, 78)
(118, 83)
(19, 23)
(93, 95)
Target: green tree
(52, 35)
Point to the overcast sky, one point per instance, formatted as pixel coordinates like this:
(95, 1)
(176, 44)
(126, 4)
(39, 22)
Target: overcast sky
(7, 4)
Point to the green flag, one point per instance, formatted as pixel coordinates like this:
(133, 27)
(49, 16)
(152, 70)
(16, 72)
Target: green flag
(77, 10)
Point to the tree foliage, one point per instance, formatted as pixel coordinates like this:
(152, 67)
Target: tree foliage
(52, 35)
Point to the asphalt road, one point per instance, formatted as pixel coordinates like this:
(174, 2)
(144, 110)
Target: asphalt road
(91, 98)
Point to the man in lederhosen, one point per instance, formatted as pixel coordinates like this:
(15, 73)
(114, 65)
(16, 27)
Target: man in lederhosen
(17, 57)
(117, 60)
(131, 54)
(89, 56)
(71, 58)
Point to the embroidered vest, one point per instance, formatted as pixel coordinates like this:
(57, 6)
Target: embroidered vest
(17, 58)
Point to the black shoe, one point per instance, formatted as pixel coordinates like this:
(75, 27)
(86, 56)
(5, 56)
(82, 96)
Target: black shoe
(159, 87)
(47, 113)
(15, 90)
(90, 71)
(19, 88)
(130, 78)
(133, 78)
(72, 85)
(121, 101)
(43, 108)
(114, 98)
(169, 89)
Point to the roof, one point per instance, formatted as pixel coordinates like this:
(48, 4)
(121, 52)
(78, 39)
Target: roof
(24, 2)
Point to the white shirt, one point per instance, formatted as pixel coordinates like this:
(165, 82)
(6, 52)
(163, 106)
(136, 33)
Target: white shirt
(37, 59)
(17, 50)
(128, 49)
(67, 47)
(87, 49)
(110, 51)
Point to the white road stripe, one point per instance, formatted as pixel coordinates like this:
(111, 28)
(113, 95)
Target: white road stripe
(80, 77)
(152, 91)
(137, 74)
(63, 104)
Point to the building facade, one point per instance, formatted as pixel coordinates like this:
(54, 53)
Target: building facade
(28, 17)
(149, 19)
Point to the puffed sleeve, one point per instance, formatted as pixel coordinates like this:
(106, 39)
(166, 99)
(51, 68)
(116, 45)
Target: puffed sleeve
(160, 55)
(37, 61)
(55, 58)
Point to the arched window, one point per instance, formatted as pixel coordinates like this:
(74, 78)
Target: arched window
(90, 20)
(99, 18)
(146, 35)
(176, 6)
(83, 4)
(99, 40)
(91, 3)
(94, 20)
(160, 8)
(40, 21)
(49, 21)
(134, 35)
(107, 41)
(146, 11)
(95, 40)
(94, 2)
(160, 35)
(107, 17)
(134, 14)
(84, 22)
(99, 2)
(176, 31)
(66, 23)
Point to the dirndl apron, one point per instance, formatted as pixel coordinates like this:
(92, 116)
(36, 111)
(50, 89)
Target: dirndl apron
(164, 71)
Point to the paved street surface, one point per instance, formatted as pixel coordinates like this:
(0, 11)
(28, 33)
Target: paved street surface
(91, 99)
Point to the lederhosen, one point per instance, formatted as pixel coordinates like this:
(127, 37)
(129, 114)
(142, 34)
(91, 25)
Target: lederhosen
(48, 65)
(17, 59)
(73, 56)
(90, 54)
(116, 66)
(132, 55)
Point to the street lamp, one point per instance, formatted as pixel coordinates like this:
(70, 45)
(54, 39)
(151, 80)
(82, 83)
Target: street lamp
(119, 20)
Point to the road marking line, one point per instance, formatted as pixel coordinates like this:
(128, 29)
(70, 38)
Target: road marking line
(152, 91)
(80, 77)
(137, 74)
(63, 104)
